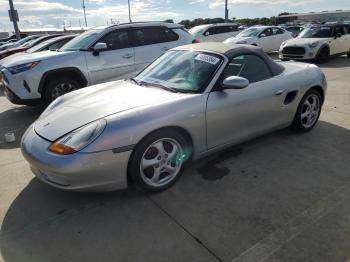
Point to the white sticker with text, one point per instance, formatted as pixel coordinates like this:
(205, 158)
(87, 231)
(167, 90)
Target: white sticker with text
(207, 58)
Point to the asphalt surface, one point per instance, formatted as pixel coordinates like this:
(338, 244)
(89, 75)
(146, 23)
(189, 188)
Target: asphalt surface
(281, 197)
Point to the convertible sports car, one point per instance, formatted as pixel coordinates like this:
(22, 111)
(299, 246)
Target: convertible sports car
(192, 101)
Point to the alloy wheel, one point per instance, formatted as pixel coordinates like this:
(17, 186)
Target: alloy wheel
(310, 111)
(161, 162)
(61, 89)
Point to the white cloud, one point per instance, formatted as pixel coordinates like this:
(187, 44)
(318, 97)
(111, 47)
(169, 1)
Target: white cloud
(34, 13)
(220, 3)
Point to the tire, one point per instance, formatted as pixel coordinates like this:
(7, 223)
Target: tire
(59, 86)
(305, 113)
(348, 54)
(323, 55)
(147, 160)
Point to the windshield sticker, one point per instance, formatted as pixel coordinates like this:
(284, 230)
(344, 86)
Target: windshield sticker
(207, 58)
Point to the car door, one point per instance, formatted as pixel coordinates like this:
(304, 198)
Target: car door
(150, 43)
(338, 42)
(116, 62)
(234, 115)
(265, 40)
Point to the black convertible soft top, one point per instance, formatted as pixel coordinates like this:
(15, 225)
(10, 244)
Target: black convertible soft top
(232, 50)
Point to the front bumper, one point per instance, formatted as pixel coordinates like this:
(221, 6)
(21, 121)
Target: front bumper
(297, 53)
(99, 171)
(18, 90)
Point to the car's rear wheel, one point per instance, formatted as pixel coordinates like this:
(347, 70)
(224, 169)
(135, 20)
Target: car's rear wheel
(60, 86)
(323, 55)
(158, 160)
(308, 112)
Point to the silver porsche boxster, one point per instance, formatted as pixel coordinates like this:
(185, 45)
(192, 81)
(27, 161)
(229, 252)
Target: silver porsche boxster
(192, 101)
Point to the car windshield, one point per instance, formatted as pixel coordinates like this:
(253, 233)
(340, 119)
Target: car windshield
(181, 71)
(24, 40)
(38, 47)
(249, 32)
(197, 30)
(81, 41)
(316, 32)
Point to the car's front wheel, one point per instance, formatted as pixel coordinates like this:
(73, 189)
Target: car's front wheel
(323, 55)
(158, 160)
(60, 86)
(308, 112)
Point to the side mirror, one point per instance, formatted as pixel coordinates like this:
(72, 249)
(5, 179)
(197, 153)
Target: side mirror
(235, 82)
(337, 35)
(206, 33)
(262, 35)
(98, 48)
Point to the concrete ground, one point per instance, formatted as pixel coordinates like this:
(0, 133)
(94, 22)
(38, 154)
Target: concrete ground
(282, 197)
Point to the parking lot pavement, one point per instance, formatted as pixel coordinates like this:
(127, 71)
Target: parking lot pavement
(281, 197)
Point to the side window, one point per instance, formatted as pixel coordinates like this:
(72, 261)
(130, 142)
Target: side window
(116, 40)
(223, 29)
(277, 31)
(152, 35)
(171, 35)
(267, 32)
(212, 31)
(58, 44)
(250, 67)
(338, 30)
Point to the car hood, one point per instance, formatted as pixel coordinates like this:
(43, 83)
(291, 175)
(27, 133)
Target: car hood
(304, 41)
(91, 103)
(12, 51)
(27, 58)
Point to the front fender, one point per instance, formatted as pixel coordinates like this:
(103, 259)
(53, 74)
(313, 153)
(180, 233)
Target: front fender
(126, 129)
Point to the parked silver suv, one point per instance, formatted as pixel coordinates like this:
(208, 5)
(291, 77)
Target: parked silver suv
(99, 55)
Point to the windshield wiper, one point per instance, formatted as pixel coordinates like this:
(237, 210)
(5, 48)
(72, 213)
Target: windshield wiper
(171, 89)
(135, 81)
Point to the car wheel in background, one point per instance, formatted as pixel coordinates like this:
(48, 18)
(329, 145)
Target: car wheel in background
(308, 112)
(348, 54)
(60, 86)
(323, 55)
(158, 160)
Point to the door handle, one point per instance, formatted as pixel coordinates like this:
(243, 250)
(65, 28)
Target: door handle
(279, 92)
(127, 56)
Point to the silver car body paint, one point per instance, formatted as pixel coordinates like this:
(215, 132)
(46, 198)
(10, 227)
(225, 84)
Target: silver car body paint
(214, 120)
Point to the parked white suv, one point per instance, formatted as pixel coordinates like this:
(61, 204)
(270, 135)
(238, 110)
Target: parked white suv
(269, 38)
(318, 42)
(214, 32)
(99, 55)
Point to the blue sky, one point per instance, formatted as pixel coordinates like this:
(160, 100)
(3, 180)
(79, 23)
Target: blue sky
(56, 13)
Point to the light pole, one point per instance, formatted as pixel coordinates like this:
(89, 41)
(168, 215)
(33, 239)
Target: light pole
(129, 11)
(14, 17)
(226, 11)
(84, 13)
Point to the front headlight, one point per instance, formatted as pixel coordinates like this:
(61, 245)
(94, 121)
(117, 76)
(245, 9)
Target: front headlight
(78, 139)
(313, 45)
(23, 67)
